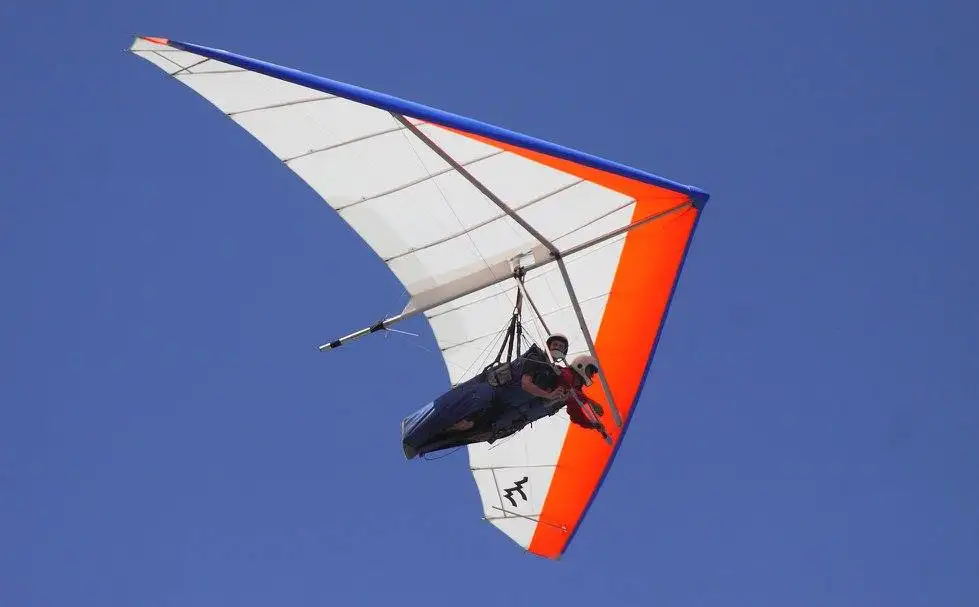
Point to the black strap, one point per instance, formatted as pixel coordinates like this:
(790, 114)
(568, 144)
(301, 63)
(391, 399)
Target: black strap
(514, 330)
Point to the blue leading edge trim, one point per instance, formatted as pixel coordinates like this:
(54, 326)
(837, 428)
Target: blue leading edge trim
(423, 112)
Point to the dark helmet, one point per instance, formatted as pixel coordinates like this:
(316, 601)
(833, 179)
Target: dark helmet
(559, 342)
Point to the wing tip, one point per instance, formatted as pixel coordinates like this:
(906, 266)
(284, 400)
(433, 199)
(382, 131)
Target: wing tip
(155, 39)
(141, 43)
(699, 197)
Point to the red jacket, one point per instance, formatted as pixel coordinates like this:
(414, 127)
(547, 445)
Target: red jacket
(575, 412)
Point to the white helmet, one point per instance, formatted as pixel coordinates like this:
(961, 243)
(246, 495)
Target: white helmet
(585, 365)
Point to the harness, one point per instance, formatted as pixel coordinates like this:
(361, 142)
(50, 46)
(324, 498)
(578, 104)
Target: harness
(505, 371)
(499, 372)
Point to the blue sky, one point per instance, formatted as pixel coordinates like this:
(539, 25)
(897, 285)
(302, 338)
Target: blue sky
(170, 436)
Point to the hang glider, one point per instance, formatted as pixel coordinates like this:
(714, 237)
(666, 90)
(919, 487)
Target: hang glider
(458, 209)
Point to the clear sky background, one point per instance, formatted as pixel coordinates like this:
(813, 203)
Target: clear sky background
(169, 436)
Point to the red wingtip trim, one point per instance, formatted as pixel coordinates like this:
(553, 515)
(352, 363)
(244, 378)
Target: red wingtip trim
(163, 41)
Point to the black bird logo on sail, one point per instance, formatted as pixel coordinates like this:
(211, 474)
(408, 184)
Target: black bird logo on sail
(516, 488)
